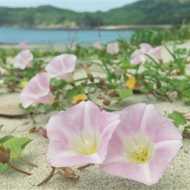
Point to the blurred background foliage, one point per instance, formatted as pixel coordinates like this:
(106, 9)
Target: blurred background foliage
(172, 12)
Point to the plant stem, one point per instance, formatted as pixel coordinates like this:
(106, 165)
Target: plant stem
(18, 170)
(151, 58)
(84, 167)
(32, 118)
(30, 163)
(51, 174)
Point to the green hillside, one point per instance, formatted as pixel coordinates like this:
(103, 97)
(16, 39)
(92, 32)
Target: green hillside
(140, 12)
(151, 12)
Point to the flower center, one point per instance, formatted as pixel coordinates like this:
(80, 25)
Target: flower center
(85, 145)
(141, 155)
(138, 149)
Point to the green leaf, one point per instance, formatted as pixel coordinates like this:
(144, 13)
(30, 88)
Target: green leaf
(3, 167)
(4, 139)
(124, 93)
(58, 83)
(74, 91)
(178, 118)
(16, 145)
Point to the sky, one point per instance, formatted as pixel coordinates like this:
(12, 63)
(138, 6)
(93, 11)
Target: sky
(77, 5)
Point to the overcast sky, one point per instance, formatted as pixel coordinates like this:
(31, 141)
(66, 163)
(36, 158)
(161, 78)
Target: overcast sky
(78, 5)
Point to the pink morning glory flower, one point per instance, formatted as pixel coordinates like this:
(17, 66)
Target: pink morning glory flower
(156, 53)
(146, 51)
(62, 66)
(113, 48)
(23, 59)
(138, 57)
(143, 145)
(37, 91)
(80, 135)
(145, 47)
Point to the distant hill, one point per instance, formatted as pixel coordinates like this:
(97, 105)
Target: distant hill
(138, 13)
(151, 12)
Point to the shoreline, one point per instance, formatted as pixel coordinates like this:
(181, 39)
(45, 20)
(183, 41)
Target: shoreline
(101, 28)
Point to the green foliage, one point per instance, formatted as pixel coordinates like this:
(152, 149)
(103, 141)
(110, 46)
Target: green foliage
(74, 92)
(4, 139)
(124, 93)
(178, 118)
(16, 145)
(159, 36)
(3, 168)
(141, 12)
(13, 146)
(166, 81)
(181, 121)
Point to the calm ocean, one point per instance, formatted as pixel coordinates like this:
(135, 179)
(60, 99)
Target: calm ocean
(16, 35)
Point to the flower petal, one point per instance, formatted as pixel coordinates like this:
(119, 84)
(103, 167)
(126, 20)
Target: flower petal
(157, 127)
(145, 47)
(68, 158)
(140, 173)
(143, 135)
(131, 118)
(66, 129)
(163, 155)
(23, 59)
(37, 91)
(62, 65)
